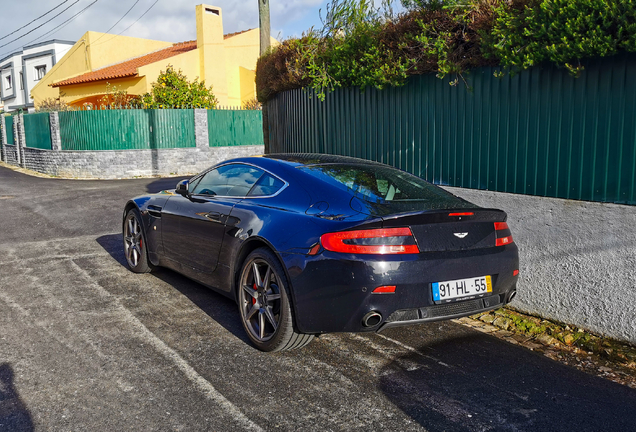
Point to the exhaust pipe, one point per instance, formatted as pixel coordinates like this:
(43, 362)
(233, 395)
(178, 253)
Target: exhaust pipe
(511, 296)
(371, 319)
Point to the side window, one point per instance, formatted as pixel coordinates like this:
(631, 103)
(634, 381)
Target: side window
(228, 180)
(266, 185)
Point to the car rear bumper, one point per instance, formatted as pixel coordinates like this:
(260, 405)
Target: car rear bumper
(333, 292)
(458, 309)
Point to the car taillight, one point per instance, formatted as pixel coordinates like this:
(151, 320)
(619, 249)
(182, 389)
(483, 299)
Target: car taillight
(382, 241)
(504, 236)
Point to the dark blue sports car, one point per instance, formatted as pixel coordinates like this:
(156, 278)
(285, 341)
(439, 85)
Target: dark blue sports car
(309, 244)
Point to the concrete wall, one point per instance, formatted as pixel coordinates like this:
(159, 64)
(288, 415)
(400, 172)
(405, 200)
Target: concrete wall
(578, 259)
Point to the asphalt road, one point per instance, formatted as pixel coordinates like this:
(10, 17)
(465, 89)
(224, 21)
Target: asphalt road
(87, 345)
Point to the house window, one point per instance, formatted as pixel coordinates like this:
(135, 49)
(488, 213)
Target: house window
(40, 71)
(8, 85)
(21, 81)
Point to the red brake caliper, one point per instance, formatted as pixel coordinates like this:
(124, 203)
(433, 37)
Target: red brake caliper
(253, 299)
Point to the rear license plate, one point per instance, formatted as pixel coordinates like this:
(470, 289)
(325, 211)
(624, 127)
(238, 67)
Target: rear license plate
(462, 288)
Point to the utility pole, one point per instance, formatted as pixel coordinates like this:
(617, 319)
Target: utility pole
(264, 26)
(263, 21)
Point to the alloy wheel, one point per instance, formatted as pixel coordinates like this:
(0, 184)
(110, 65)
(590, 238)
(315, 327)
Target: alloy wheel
(260, 300)
(133, 241)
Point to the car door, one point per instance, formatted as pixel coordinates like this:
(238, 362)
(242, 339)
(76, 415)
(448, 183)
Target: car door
(193, 226)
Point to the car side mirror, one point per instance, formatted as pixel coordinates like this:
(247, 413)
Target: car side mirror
(183, 188)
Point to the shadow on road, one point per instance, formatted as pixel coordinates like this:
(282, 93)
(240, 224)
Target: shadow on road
(218, 307)
(479, 381)
(14, 416)
(113, 244)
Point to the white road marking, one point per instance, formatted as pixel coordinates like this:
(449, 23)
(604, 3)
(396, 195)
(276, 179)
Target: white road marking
(201, 383)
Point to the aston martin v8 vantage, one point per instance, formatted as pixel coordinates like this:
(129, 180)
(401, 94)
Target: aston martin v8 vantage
(309, 244)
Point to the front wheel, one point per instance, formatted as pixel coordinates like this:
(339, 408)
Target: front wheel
(135, 243)
(264, 304)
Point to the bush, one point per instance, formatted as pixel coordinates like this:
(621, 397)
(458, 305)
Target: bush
(360, 45)
(51, 105)
(173, 90)
(252, 105)
(115, 98)
(527, 33)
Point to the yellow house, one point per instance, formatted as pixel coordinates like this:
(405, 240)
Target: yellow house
(227, 62)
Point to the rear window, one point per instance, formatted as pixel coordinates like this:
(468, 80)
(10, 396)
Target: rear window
(379, 184)
(267, 185)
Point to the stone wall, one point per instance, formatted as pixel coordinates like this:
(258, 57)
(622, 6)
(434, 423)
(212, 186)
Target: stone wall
(10, 154)
(577, 259)
(131, 163)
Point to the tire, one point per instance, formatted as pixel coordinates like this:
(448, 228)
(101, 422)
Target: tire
(135, 243)
(264, 306)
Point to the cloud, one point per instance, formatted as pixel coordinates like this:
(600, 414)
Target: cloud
(292, 10)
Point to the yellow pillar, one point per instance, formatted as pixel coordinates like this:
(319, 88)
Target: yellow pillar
(211, 50)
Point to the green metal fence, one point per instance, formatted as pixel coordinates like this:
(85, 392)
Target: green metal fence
(127, 129)
(37, 130)
(235, 127)
(172, 128)
(541, 132)
(8, 121)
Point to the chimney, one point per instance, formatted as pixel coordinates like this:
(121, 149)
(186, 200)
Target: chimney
(210, 44)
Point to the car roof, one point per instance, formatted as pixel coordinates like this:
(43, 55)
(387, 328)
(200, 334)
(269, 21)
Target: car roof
(317, 158)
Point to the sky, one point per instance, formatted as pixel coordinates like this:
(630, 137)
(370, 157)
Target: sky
(166, 20)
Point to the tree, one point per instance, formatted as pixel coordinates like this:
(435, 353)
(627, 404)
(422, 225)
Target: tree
(173, 90)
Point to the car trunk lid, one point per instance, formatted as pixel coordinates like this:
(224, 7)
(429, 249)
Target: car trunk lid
(450, 230)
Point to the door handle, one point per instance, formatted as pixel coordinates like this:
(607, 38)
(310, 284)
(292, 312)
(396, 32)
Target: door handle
(214, 216)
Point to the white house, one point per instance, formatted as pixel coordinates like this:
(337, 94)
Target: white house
(22, 70)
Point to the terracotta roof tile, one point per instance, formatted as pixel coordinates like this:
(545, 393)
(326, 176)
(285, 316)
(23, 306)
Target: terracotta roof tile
(229, 35)
(129, 67)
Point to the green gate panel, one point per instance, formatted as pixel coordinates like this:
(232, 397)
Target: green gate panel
(127, 129)
(235, 127)
(172, 128)
(8, 121)
(37, 131)
(541, 132)
(104, 130)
